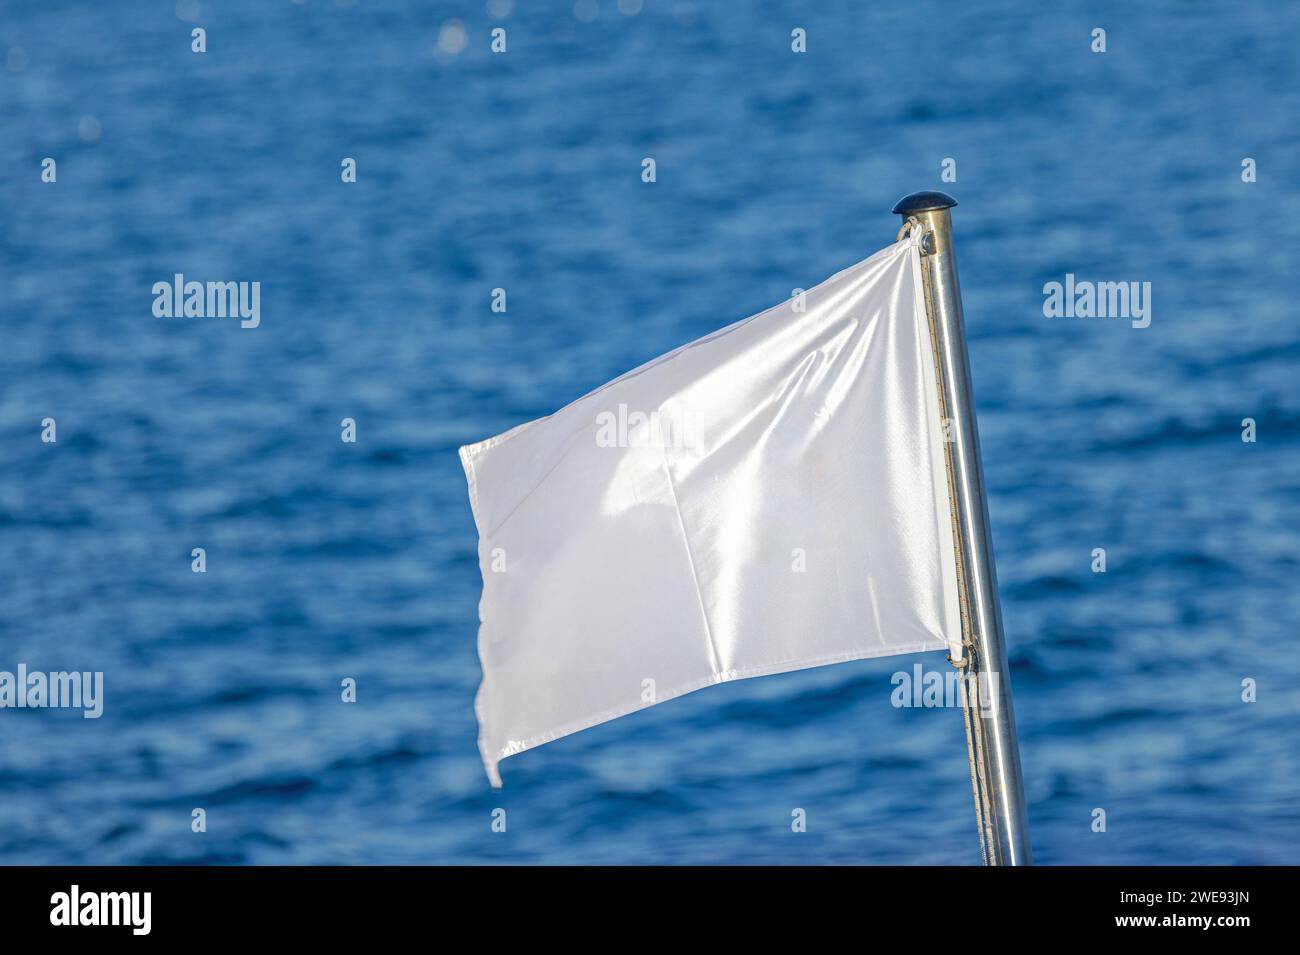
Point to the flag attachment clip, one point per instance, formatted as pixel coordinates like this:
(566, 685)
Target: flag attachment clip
(920, 235)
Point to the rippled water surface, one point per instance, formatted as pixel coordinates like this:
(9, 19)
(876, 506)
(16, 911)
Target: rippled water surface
(522, 171)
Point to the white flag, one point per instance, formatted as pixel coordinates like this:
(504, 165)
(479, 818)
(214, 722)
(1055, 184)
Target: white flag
(771, 497)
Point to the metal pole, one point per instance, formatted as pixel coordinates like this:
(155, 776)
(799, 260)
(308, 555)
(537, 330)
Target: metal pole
(995, 754)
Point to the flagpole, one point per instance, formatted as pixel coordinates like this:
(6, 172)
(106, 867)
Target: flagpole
(991, 727)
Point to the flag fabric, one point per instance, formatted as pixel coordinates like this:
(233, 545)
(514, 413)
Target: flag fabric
(770, 497)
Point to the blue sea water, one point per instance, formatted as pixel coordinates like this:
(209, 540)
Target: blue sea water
(522, 171)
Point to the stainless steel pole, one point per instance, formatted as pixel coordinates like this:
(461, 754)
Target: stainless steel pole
(995, 753)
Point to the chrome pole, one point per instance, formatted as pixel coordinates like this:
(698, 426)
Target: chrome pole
(995, 754)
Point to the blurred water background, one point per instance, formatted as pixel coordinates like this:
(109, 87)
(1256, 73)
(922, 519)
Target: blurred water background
(522, 171)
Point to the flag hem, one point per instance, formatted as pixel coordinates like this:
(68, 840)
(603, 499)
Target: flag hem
(938, 461)
(515, 747)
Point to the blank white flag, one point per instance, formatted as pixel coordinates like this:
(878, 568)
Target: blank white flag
(771, 497)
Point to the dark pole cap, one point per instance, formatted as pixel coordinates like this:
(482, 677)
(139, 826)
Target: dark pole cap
(923, 202)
